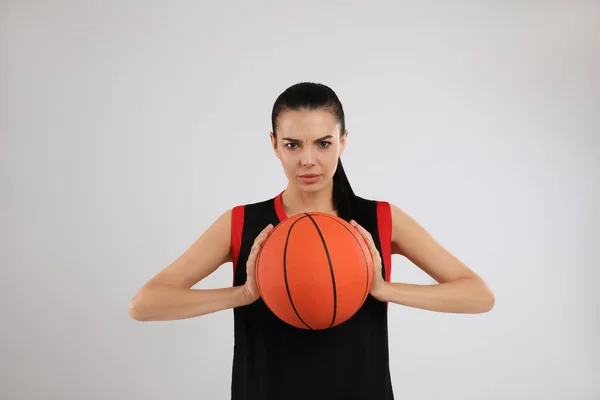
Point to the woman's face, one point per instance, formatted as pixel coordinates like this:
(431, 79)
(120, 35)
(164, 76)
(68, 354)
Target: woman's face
(308, 144)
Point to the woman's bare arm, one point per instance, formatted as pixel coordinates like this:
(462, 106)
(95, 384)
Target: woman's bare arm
(168, 295)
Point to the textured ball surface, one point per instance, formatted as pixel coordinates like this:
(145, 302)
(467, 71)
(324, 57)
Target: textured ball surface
(314, 271)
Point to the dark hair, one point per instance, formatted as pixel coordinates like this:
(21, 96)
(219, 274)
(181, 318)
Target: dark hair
(316, 96)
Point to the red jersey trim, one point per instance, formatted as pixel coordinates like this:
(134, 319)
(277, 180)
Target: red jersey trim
(279, 208)
(237, 227)
(384, 224)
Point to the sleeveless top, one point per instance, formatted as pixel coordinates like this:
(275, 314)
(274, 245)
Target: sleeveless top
(276, 361)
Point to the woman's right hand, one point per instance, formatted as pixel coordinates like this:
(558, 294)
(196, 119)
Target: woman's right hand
(250, 285)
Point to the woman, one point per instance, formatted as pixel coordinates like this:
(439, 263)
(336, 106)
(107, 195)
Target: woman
(273, 360)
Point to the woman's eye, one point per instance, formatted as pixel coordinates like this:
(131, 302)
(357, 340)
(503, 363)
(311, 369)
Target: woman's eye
(324, 145)
(291, 145)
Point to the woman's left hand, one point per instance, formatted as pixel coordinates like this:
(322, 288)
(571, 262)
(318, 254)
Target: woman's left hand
(378, 281)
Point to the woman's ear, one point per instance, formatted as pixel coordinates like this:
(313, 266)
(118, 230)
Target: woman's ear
(343, 141)
(274, 144)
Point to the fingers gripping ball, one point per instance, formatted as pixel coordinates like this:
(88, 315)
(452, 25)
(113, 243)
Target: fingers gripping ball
(314, 271)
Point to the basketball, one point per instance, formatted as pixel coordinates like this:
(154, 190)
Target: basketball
(314, 271)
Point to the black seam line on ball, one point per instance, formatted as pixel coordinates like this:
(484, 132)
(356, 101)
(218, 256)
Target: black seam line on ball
(330, 270)
(285, 272)
(363, 253)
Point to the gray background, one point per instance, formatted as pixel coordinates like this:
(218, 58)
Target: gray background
(127, 127)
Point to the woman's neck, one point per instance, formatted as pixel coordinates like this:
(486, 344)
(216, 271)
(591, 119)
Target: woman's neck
(297, 201)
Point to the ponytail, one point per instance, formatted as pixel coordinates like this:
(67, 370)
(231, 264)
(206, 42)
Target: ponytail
(343, 195)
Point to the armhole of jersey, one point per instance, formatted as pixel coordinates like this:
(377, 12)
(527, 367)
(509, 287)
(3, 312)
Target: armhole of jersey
(384, 224)
(237, 227)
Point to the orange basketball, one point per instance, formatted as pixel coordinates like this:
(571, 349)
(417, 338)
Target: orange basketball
(314, 271)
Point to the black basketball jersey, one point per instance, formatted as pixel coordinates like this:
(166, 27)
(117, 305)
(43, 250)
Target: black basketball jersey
(273, 360)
